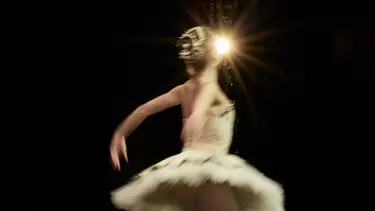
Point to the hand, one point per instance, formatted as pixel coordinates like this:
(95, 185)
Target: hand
(118, 149)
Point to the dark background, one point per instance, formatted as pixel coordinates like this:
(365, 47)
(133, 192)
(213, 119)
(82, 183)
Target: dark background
(307, 125)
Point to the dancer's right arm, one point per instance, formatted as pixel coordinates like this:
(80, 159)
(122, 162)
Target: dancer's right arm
(169, 99)
(133, 121)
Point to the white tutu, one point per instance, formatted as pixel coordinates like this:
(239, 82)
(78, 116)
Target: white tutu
(173, 183)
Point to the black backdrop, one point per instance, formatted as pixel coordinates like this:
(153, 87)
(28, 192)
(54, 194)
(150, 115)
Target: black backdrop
(307, 124)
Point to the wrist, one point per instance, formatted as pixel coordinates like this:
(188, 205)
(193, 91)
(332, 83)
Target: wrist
(117, 135)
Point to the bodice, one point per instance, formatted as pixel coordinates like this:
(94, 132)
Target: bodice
(217, 133)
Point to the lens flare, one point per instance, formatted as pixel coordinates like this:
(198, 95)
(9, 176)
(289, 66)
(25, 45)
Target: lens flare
(222, 45)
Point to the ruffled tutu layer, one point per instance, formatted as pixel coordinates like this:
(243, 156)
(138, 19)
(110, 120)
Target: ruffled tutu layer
(173, 183)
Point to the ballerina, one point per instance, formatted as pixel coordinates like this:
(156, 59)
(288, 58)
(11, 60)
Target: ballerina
(203, 176)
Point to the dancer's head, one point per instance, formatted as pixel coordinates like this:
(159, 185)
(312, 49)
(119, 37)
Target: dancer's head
(197, 48)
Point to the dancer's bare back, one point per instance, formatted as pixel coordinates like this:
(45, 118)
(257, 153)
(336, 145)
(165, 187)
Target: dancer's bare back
(199, 101)
(189, 98)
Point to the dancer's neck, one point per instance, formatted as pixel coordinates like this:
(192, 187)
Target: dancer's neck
(205, 75)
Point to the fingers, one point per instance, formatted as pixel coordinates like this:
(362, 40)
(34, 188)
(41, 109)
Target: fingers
(123, 150)
(115, 159)
(117, 149)
(114, 156)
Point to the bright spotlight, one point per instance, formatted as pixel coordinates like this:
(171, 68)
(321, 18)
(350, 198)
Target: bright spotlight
(222, 45)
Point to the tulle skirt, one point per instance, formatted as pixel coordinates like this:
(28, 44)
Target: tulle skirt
(173, 184)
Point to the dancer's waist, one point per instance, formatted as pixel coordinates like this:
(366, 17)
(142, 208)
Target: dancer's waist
(206, 147)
